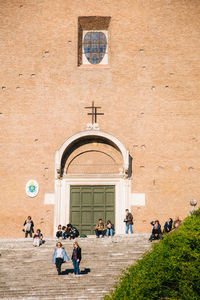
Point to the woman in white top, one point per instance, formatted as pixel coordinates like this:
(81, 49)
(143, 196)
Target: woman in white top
(60, 256)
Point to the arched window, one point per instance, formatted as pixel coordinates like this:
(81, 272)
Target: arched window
(94, 46)
(93, 41)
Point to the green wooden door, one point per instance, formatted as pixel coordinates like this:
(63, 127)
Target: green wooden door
(88, 204)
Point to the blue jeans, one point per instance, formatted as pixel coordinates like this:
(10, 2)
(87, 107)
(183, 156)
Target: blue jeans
(110, 232)
(76, 267)
(129, 226)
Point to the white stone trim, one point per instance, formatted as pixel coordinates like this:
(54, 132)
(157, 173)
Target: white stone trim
(49, 198)
(62, 207)
(60, 152)
(137, 199)
(120, 181)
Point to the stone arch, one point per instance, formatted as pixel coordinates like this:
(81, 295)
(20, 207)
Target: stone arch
(93, 161)
(85, 137)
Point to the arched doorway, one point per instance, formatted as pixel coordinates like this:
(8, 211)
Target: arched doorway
(92, 180)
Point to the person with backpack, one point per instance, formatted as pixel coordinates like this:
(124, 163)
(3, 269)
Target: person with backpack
(28, 227)
(59, 257)
(76, 258)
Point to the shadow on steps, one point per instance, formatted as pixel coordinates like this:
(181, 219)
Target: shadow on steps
(71, 271)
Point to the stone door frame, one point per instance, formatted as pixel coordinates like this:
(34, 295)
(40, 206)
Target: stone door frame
(121, 182)
(62, 192)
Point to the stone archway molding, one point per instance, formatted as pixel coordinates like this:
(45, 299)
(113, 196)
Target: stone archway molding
(91, 133)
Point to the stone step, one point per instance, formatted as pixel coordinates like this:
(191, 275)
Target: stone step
(28, 273)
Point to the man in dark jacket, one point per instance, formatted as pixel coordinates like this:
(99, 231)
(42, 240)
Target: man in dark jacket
(72, 231)
(129, 221)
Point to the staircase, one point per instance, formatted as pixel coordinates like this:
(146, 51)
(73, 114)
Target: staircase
(27, 272)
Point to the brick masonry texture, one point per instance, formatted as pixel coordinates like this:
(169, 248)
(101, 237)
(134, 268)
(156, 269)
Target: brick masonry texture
(149, 94)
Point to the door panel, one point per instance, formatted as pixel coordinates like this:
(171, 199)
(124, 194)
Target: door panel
(90, 203)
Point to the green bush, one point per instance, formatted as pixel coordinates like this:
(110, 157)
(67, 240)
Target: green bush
(170, 271)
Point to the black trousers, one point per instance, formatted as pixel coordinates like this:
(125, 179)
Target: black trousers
(153, 237)
(100, 232)
(59, 262)
(28, 232)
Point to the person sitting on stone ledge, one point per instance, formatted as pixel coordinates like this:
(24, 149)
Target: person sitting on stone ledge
(177, 223)
(72, 231)
(168, 226)
(59, 257)
(65, 232)
(59, 233)
(156, 222)
(100, 229)
(37, 238)
(110, 229)
(28, 227)
(156, 233)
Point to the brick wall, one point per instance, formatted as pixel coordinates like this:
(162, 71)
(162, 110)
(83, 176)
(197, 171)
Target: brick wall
(149, 94)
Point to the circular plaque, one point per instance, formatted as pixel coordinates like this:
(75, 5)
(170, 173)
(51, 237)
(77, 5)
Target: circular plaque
(32, 188)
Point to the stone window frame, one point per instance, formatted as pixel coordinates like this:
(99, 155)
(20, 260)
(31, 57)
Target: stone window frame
(92, 24)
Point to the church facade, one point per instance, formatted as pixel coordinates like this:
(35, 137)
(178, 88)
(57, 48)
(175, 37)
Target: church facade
(99, 112)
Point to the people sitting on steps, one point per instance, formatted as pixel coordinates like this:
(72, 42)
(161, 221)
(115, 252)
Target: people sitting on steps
(129, 221)
(65, 233)
(72, 231)
(168, 226)
(100, 229)
(177, 223)
(59, 233)
(156, 222)
(156, 233)
(37, 238)
(110, 229)
(28, 227)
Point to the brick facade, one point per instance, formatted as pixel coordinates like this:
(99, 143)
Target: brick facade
(149, 94)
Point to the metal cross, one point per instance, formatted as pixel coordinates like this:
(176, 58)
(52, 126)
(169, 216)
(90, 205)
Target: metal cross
(94, 112)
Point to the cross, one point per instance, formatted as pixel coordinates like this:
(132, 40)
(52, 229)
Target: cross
(94, 112)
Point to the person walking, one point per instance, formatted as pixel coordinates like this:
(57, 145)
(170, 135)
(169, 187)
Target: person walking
(129, 221)
(59, 257)
(76, 258)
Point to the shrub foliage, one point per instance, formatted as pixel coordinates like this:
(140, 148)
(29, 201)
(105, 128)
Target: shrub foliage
(170, 271)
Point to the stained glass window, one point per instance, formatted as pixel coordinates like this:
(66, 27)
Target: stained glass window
(94, 45)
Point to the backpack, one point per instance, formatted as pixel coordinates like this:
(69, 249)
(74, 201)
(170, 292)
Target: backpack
(27, 227)
(83, 235)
